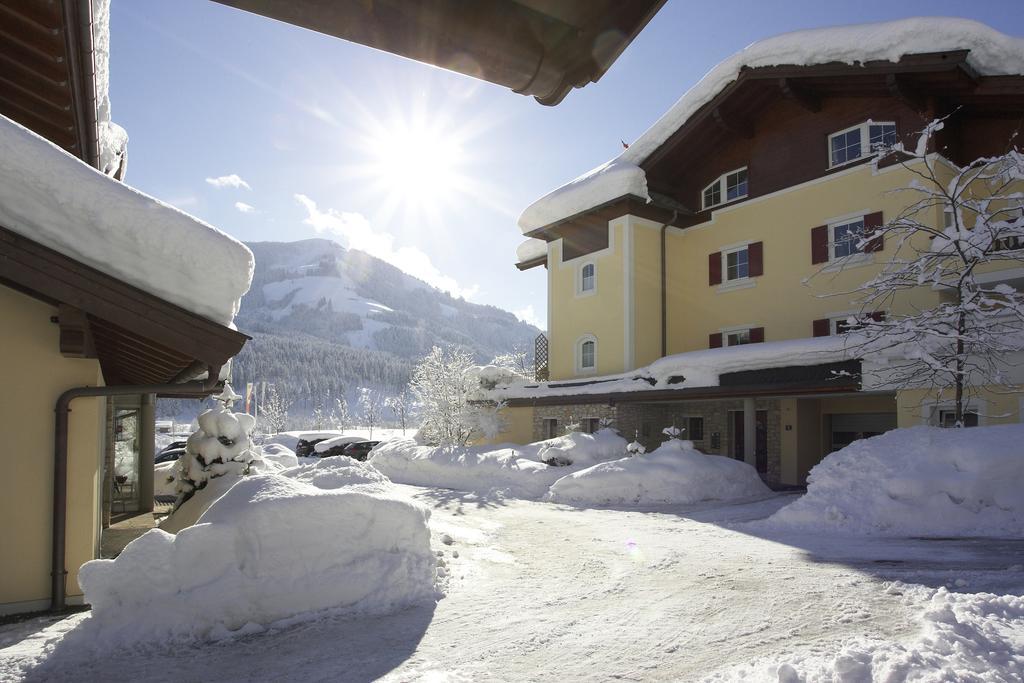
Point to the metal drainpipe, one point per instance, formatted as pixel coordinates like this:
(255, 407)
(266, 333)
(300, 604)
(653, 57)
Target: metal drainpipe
(58, 573)
(664, 286)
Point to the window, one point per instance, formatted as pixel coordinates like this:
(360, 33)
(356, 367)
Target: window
(587, 278)
(737, 338)
(860, 141)
(550, 427)
(947, 418)
(591, 424)
(586, 354)
(845, 239)
(695, 428)
(731, 186)
(737, 263)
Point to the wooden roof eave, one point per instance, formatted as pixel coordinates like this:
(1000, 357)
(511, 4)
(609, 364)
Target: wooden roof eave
(135, 332)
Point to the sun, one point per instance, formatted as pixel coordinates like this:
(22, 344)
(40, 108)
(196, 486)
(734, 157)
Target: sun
(418, 161)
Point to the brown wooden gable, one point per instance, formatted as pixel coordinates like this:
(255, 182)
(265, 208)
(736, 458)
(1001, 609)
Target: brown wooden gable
(137, 337)
(46, 72)
(776, 120)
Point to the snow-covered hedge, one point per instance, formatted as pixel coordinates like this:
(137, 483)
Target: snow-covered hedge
(270, 548)
(675, 472)
(922, 481)
(513, 469)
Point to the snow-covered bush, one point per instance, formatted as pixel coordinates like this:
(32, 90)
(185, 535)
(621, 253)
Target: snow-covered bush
(672, 432)
(636, 448)
(922, 481)
(272, 547)
(582, 450)
(675, 472)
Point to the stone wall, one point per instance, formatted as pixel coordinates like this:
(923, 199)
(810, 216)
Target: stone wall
(567, 414)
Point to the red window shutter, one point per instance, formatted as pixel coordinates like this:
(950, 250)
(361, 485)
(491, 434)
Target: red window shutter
(755, 259)
(715, 340)
(822, 328)
(872, 222)
(715, 269)
(878, 316)
(756, 335)
(819, 244)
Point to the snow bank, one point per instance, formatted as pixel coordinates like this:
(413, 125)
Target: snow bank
(511, 469)
(335, 473)
(922, 481)
(270, 548)
(279, 455)
(991, 53)
(963, 637)
(675, 472)
(54, 199)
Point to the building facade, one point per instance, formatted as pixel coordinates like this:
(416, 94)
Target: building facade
(753, 193)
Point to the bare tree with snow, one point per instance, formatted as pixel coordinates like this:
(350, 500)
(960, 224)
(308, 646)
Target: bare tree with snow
(516, 361)
(274, 412)
(439, 386)
(962, 222)
(370, 407)
(340, 416)
(401, 407)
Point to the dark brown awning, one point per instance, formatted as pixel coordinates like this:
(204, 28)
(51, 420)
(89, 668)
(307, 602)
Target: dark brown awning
(137, 337)
(543, 48)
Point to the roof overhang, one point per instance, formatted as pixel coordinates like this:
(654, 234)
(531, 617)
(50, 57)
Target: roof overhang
(47, 72)
(138, 338)
(543, 48)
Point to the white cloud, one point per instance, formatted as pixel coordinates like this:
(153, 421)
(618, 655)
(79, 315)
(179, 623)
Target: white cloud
(528, 315)
(357, 233)
(232, 180)
(244, 208)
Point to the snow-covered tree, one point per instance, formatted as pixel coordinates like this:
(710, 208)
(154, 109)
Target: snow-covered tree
(274, 412)
(318, 420)
(221, 446)
(370, 407)
(572, 425)
(439, 386)
(517, 361)
(340, 416)
(672, 432)
(401, 407)
(958, 224)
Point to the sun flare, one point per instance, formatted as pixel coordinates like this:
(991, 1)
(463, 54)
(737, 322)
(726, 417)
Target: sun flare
(419, 163)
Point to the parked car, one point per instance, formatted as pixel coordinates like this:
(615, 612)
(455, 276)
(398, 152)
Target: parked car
(173, 446)
(169, 454)
(359, 450)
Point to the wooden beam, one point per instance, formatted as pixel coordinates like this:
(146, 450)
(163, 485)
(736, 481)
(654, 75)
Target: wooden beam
(740, 127)
(800, 94)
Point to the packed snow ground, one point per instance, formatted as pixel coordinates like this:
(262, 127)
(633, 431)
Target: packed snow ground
(538, 591)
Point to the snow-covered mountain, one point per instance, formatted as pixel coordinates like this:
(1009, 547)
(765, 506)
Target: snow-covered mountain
(326, 318)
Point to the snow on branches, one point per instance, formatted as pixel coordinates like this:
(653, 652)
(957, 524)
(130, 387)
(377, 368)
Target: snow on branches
(961, 225)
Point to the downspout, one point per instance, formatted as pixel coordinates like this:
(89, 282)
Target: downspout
(58, 573)
(78, 35)
(664, 285)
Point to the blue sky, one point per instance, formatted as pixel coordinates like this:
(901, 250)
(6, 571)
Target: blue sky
(422, 167)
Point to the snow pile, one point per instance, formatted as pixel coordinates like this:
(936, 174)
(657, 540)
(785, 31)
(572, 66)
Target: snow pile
(922, 481)
(165, 478)
(335, 473)
(54, 199)
(964, 637)
(113, 140)
(675, 472)
(513, 470)
(248, 564)
(991, 53)
(279, 455)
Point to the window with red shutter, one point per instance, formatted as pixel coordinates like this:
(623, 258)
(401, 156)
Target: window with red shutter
(872, 222)
(715, 340)
(756, 335)
(822, 327)
(755, 259)
(715, 269)
(819, 244)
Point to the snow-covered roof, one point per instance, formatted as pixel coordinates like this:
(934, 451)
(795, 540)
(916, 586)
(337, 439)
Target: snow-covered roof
(696, 368)
(991, 53)
(58, 201)
(531, 249)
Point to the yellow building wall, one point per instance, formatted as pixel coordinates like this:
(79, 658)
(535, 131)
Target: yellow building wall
(646, 324)
(573, 315)
(995, 405)
(32, 375)
(517, 427)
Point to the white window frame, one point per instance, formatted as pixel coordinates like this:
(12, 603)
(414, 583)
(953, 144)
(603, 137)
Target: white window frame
(725, 264)
(685, 419)
(580, 292)
(720, 181)
(864, 129)
(580, 369)
(726, 331)
(849, 259)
